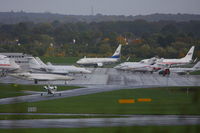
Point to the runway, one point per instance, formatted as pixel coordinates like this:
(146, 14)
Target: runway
(141, 120)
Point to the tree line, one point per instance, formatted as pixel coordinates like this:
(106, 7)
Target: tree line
(21, 16)
(139, 38)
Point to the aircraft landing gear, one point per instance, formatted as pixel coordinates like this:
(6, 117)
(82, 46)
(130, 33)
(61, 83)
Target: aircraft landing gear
(66, 82)
(165, 72)
(36, 81)
(59, 94)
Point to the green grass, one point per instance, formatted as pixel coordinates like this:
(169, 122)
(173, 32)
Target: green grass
(195, 73)
(72, 60)
(164, 101)
(133, 129)
(12, 90)
(60, 60)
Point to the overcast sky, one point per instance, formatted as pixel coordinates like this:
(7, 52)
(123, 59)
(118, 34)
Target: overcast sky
(106, 7)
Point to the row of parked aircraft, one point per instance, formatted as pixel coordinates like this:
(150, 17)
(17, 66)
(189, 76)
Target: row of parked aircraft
(38, 64)
(60, 72)
(146, 65)
(155, 64)
(8, 66)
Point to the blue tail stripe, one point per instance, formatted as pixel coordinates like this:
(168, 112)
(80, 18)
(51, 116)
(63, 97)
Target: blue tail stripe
(116, 56)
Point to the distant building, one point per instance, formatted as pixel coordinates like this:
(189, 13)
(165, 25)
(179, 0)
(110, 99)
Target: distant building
(19, 58)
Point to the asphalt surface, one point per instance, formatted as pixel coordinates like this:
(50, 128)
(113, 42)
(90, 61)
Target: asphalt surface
(67, 114)
(111, 76)
(141, 120)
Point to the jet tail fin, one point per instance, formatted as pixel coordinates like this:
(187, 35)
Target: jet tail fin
(33, 63)
(189, 54)
(40, 61)
(128, 59)
(195, 60)
(117, 52)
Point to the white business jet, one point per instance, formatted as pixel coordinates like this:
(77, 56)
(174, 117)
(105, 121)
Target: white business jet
(41, 76)
(7, 65)
(174, 62)
(182, 61)
(101, 61)
(147, 66)
(37, 64)
(186, 70)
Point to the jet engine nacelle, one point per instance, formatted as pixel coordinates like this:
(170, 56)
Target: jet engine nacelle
(99, 64)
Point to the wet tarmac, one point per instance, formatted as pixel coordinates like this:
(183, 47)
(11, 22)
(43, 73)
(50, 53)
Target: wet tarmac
(111, 76)
(141, 120)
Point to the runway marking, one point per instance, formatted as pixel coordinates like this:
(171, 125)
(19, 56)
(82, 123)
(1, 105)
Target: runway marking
(123, 101)
(144, 100)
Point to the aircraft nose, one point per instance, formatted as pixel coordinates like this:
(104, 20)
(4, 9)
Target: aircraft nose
(88, 71)
(116, 67)
(79, 62)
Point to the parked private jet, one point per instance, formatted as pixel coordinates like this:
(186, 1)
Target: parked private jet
(186, 70)
(185, 60)
(175, 62)
(40, 76)
(101, 61)
(36, 63)
(147, 66)
(7, 65)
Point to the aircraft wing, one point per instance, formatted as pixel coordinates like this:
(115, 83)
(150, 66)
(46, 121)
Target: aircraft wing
(57, 71)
